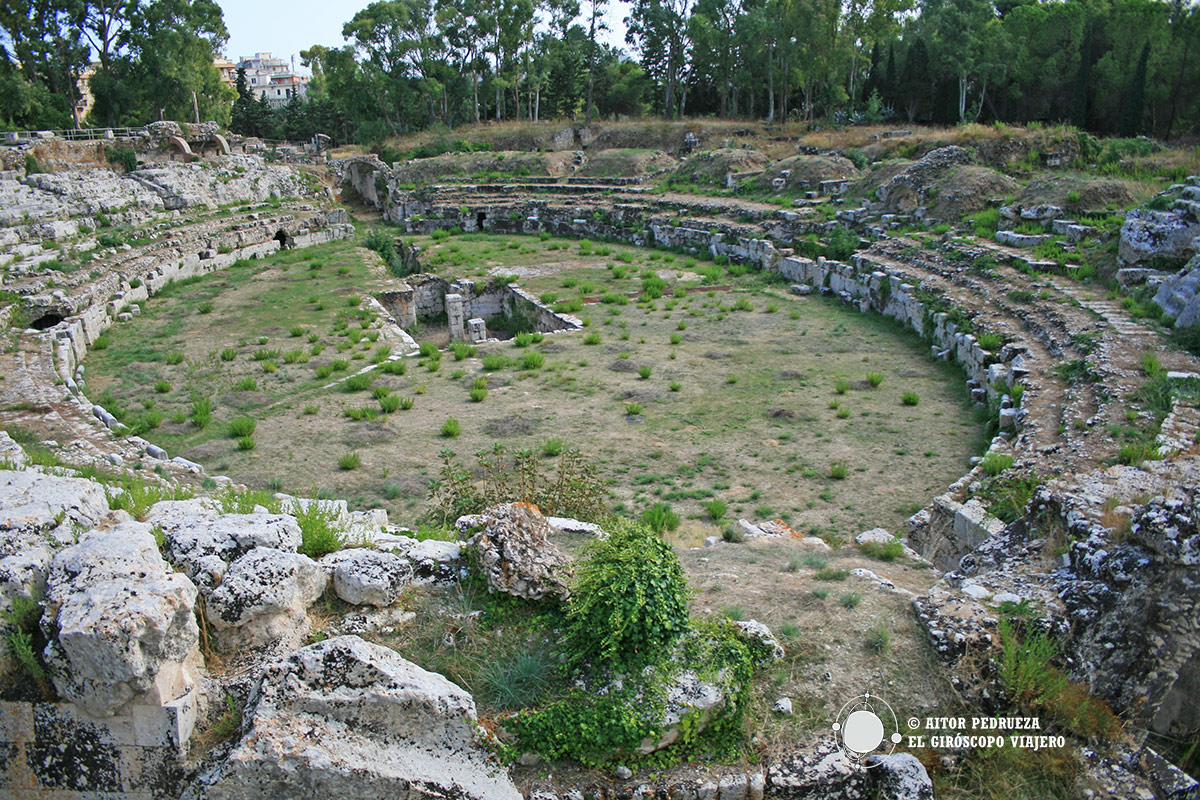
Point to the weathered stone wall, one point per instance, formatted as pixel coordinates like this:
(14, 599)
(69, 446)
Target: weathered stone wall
(55, 751)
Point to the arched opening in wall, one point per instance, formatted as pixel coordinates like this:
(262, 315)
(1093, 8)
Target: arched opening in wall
(46, 322)
(284, 239)
(479, 220)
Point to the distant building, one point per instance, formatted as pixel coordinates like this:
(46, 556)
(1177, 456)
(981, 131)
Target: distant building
(228, 70)
(272, 78)
(86, 100)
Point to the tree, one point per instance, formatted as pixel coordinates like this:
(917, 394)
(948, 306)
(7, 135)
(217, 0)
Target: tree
(162, 66)
(1135, 104)
(596, 25)
(657, 28)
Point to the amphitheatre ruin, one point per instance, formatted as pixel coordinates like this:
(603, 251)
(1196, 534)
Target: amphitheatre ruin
(605, 461)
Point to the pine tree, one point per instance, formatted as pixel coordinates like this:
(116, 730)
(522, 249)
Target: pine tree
(1135, 105)
(1083, 79)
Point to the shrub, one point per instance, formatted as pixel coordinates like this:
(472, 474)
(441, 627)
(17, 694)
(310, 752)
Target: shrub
(827, 573)
(990, 341)
(874, 379)
(323, 371)
(246, 385)
(269, 366)
(523, 339)
(102, 342)
(533, 360)
(358, 383)
(633, 409)
(674, 386)
(715, 508)
(478, 394)
(242, 426)
(246, 443)
(123, 157)
(629, 600)
(910, 398)
(886, 551)
(349, 461)
(136, 495)
(552, 447)
(591, 338)
(397, 367)
(228, 354)
(319, 535)
(660, 517)
(389, 403)
(340, 365)
(494, 361)
(451, 428)
(518, 681)
(850, 600)
(406, 403)
(838, 470)
(462, 351)
(644, 371)
(841, 385)
(995, 463)
(202, 409)
(878, 638)
(162, 386)
(428, 350)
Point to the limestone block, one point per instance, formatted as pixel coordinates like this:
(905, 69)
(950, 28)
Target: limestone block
(263, 599)
(192, 535)
(387, 729)
(120, 625)
(900, 776)
(35, 503)
(367, 577)
(516, 554)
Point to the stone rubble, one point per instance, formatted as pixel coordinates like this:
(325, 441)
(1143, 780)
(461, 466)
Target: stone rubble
(515, 553)
(387, 729)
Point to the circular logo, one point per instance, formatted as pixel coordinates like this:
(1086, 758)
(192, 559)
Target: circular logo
(861, 729)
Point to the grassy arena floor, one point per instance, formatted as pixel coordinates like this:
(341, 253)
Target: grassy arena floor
(739, 402)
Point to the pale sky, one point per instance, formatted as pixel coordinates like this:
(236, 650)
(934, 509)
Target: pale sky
(285, 27)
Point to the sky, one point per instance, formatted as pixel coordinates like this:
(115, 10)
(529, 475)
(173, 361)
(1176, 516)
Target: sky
(285, 27)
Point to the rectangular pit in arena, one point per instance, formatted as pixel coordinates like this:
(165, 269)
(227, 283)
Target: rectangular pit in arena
(466, 312)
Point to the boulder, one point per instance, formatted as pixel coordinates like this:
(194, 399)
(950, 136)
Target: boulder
(1165, 235)
(347, 718)
(763, 644)
(32, 503)
(1177, 295)
(23, 575)
(263, 599)
(200, 541)
(819, 772)
(875, 536)
(120, 624)
(691, 697)
(367, 577)
(899, 776)
(516, 555)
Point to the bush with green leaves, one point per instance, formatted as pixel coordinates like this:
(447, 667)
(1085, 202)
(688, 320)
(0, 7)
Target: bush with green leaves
(628, 602)
(242, 426)
(319, 533)
(660, 517)
(136, 495)
(349, 461)
(451, 428)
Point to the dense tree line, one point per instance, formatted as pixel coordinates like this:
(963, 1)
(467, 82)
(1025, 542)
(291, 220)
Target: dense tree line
(154, 61)
(1111, 66)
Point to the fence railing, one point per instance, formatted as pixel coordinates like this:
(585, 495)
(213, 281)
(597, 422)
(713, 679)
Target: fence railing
(70, 134)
